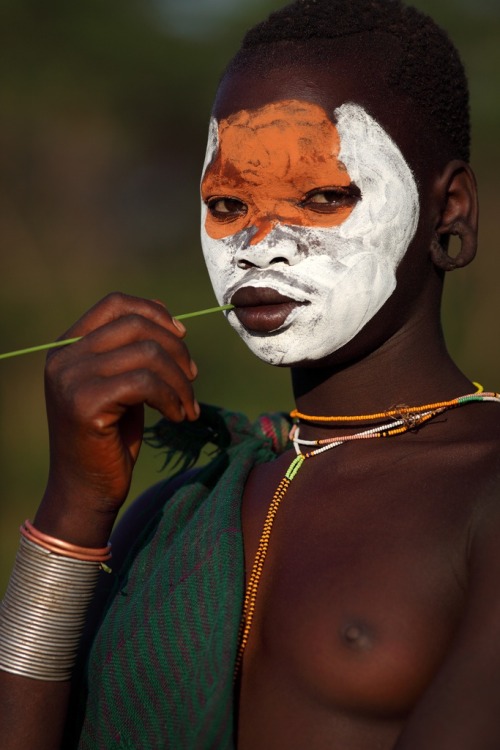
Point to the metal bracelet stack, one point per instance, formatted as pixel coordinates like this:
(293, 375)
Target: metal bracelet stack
(43, 612)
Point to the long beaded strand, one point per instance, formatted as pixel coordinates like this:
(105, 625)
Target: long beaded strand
(409, 419)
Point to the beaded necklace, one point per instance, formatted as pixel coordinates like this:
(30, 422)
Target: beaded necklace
(402, 419)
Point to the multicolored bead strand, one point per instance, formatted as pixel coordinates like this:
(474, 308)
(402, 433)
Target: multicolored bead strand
(402, 419)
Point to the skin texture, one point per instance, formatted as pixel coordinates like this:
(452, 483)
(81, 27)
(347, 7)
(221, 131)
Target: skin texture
(378, 615)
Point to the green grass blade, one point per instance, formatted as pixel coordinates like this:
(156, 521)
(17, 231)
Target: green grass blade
(65, 342)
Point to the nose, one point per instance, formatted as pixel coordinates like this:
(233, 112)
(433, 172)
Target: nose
(264, 225)
(276, 246)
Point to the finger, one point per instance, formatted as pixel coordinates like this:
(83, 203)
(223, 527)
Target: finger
(106, 403)
(117, 305)
(142, 355)
(177, 323)
(126, 331)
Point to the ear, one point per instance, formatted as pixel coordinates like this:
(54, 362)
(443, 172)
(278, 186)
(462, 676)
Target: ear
(458, 216)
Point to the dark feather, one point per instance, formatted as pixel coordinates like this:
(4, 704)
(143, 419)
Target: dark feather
(182, 443)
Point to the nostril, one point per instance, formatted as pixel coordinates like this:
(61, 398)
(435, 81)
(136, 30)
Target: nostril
(279, 260)
(245, 264)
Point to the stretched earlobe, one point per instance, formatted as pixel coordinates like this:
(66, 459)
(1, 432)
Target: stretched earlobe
(458, 217)
(439, 252)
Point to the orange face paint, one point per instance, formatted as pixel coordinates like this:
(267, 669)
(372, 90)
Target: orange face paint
(271, 159)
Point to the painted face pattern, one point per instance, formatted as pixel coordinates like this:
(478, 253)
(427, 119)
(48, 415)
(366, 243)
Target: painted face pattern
(320, 212)
(257, 161)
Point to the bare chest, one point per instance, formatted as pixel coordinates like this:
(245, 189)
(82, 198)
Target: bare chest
(363, 582)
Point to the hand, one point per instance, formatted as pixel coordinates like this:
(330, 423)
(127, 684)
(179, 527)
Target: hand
(131, 354)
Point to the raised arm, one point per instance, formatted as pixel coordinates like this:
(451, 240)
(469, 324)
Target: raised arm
(131, 354)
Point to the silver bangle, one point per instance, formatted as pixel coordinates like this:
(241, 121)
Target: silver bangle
(43, 612)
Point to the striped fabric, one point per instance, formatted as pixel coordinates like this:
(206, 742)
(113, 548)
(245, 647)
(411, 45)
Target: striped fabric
(161, 667)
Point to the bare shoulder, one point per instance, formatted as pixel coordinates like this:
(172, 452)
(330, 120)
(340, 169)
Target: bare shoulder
(470, 450)
(481, 450)
(481, 459)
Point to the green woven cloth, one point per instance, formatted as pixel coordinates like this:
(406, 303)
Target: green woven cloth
(161, 666)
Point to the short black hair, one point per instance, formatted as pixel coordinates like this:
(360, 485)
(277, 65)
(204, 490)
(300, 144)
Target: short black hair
(428, 68)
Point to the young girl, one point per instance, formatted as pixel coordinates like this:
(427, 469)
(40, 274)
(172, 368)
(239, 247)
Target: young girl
(328, 580)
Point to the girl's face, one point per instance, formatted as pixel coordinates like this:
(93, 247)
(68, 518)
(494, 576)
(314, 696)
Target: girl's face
(304, 223)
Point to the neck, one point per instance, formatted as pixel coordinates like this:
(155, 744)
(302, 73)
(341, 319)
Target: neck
(412, 367)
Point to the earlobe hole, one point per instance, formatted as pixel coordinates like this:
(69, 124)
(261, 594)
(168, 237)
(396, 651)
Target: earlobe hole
(454, 247)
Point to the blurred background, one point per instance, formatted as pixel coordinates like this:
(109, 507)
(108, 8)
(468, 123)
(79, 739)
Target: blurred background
(103, 117)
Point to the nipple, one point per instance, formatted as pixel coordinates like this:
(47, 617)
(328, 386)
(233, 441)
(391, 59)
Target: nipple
(357, 636)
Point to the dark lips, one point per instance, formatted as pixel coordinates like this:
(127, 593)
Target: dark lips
(262, 309)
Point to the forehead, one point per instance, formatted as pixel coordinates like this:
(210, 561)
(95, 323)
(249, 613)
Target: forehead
(337, 81)
(297, 121)
(328, 83)
(278, 137)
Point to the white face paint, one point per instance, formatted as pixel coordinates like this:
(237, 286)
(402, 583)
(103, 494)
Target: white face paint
(343, 273)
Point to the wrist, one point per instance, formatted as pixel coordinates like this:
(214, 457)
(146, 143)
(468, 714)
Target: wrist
(78, 524)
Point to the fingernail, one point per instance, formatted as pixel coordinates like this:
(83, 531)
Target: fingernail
(178, 325)
(193, 368)
(196, 408)
(182, 412)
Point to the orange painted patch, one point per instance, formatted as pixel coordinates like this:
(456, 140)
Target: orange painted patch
(270, 159)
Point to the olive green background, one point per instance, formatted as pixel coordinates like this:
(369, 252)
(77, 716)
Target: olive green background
(103, 116)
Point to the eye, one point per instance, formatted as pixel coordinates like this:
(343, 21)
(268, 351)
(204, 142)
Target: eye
(329, 200)
(226, 209)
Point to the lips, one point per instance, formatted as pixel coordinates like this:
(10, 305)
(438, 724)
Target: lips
(262, 309)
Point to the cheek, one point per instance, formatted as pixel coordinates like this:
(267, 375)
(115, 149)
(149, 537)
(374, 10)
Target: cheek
(219, 260)
(216, 255)
(316, 243)
(218, 230)
(386, 218)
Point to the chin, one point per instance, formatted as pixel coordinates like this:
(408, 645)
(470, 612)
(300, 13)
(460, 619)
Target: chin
(289, 347)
